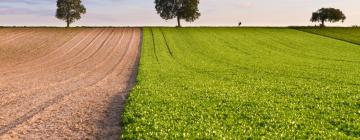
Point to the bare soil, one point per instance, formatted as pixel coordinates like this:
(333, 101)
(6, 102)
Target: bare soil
(65, 83)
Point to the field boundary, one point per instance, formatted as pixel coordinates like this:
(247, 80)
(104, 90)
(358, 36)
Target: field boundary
(132, 81)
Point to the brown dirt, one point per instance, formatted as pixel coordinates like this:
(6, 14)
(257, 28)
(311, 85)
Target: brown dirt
(65, 83)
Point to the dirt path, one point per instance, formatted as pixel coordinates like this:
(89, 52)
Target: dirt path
(74, 90)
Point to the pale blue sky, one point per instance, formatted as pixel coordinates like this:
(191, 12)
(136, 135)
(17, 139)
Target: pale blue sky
(214, 12)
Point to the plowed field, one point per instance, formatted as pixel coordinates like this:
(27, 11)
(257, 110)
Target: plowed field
(65, 83)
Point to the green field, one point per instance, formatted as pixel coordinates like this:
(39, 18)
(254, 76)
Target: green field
(351, 35)
(219, 83)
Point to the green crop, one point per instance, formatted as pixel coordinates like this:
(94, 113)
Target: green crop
(237, 83)
(351, 35)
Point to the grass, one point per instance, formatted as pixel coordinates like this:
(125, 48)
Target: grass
(220, 83)
(351, 35)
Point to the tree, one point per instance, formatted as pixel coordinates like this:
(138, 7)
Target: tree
(70, 10)
(327, 15)
(179, 9)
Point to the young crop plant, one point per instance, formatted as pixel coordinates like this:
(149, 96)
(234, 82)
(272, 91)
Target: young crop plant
(244, 83)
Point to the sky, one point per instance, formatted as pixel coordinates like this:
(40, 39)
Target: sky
(213, 13)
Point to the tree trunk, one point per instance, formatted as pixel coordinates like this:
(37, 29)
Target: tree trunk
(322, 23)
(178, 20)
(68, 11)
(67, 21)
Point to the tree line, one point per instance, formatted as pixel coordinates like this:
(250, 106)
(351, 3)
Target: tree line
(71, 11)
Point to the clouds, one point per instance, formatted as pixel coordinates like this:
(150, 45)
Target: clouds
(26, 7)
(6, 10)
(142, 12)
(28, 1)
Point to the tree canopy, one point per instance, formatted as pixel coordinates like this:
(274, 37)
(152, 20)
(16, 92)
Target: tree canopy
(180, 9)
(328, 15)
(70, 10)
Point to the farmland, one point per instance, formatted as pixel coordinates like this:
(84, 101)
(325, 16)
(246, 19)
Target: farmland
(351, 35)
(65, 83)
(220, 83)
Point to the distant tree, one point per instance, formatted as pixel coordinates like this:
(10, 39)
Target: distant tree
(179, 9)
(327, 15)
(70, 10)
